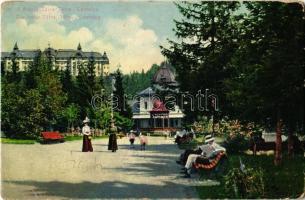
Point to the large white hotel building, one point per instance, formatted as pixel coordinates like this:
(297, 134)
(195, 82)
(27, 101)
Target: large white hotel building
(60, 58)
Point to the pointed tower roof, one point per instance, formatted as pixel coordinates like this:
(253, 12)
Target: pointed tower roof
(79, 48)
(16, 47)
(105, 55)
(164, 75)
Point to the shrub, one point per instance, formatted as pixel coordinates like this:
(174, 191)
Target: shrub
(188, 145)
(246, 183)
(237, 135)
(236, 144)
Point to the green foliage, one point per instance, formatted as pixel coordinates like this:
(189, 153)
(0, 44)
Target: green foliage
(16, 141)
(236, 144)
(237, 135)
(77, 138)
(71, 114)
(14, 74)
(86, 86)
(103, 116)
(247, 183)
(53, 98)
(203, 125)
(22, 114)
(253, 60)
(122, 106)
(122, 122)
(138, 81)
(73, 138)
(32, 115)
(33, 103)
(10, 106)
(269, 57)
(286, 181)
(68, 84)
(208, 34)
(189, 145)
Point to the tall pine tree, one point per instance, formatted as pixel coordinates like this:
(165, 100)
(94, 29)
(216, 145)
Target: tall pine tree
(122, 105)
(207, 34)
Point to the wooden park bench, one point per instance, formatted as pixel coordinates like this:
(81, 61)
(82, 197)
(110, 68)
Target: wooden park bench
(209, 164)
(51, 136)
(214, 166)
(259, 144)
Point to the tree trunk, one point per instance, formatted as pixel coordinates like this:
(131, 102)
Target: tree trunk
(213, 126)
(68, 128)
(290, 144)
(278, 143)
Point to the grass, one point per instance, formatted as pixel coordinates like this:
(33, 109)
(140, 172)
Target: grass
(189, 145)
(77, 137)
(16, 141)
(73, 138)
(285, 181)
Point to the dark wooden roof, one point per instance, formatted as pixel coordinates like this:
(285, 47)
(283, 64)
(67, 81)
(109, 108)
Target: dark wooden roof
(164, 76)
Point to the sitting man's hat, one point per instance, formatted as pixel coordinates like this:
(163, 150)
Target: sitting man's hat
(208, 138)
(86, 120)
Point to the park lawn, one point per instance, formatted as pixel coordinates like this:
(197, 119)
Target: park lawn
(17, 141)
(79, 137)
(285, 181)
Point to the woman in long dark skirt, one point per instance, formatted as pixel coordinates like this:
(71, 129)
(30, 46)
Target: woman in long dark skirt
(112, 144)
(87, 146)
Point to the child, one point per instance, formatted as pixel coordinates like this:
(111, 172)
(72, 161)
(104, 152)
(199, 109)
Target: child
(143, 141)
(131, 137)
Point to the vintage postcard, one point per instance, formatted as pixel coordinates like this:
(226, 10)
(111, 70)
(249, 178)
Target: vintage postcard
(152, 99)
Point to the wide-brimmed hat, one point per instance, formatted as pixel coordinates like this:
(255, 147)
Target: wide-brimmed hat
(208, 138)
(86, 120)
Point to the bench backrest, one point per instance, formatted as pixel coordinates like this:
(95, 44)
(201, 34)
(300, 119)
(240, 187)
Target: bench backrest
(51, 135)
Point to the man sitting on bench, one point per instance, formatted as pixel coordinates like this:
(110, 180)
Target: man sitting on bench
(210, 149)
(183, 156)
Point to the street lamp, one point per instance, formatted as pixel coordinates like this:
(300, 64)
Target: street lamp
(112, 125)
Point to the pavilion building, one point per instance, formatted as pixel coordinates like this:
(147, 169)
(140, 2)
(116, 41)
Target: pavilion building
(150, 113)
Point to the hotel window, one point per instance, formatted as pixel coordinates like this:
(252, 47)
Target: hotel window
(145, 105)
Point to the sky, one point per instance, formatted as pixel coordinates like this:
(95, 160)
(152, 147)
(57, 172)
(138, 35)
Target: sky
(129, 32)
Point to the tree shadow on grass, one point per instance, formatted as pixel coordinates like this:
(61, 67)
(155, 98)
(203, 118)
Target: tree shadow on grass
(104, 190)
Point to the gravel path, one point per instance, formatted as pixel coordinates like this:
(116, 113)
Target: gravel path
(62, 171)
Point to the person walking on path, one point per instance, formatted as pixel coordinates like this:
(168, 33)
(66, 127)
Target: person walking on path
(132, 138)
(87, 146)
(143, 141)
(112, 144)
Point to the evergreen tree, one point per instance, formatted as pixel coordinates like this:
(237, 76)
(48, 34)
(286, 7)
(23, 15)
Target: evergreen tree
(208, 38)
(122, 105)
(87, 85)
(83, 92)
(13, 75)
(91, 75)
(67, 83)
(26, 111)
(49, 86)
(138, 81)
(269, 66)
(3, 70)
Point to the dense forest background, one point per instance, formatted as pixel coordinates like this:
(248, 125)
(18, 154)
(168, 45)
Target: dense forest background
(138, 81)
